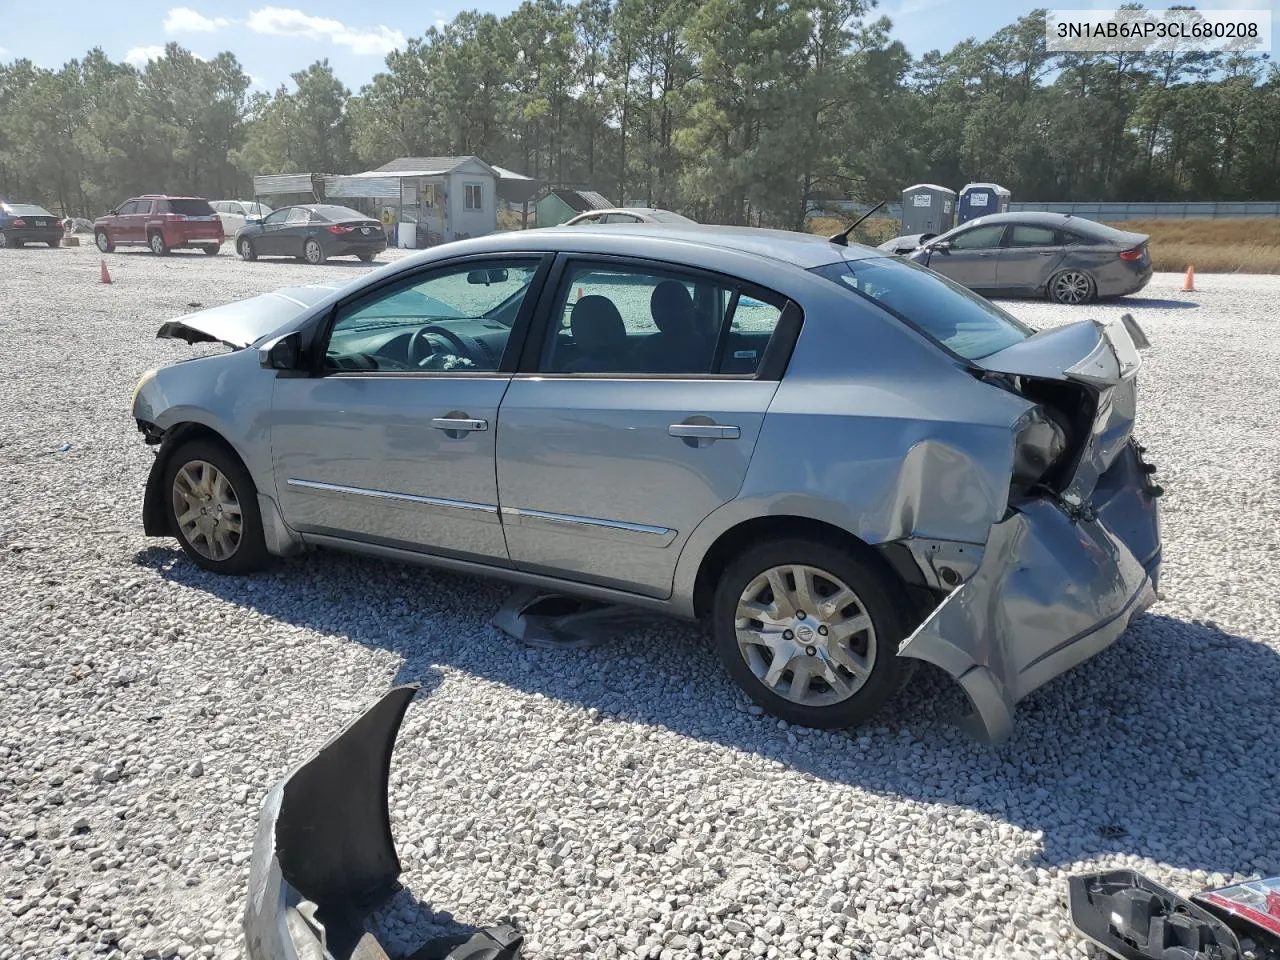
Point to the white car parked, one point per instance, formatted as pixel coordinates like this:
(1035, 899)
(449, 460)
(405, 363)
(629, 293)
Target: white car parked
(232, 213)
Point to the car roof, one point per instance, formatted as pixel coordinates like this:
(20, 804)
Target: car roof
(803, 250)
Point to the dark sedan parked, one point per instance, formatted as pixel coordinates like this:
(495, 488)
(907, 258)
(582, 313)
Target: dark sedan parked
(1066, 258)
(26, 223)
(313, 232)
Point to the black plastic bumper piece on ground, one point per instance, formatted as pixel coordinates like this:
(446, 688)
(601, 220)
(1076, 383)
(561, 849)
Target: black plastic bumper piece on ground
(1134, 918)
(325, 855)
(548, 620)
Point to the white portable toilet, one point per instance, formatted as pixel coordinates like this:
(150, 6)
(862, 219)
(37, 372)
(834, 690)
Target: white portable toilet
(927, 208)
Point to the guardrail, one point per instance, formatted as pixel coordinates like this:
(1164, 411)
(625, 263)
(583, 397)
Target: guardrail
(1236, 210)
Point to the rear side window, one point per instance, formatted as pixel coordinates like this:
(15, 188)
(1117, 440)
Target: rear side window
(298, 215)
(950, 314)
(1026, 236)
(187, 208)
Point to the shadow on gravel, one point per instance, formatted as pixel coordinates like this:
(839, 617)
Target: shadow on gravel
(1147, 749)
(1153, 303)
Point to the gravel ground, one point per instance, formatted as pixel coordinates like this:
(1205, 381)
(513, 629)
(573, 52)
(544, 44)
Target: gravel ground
(620, 802)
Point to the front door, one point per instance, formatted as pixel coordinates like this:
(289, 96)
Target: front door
(392, 442)
(272, 241)
(1029, 257)
(972, 257)
(633, 417)
(131, 223)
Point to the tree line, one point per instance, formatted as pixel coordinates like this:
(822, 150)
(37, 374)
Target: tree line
(733, 111)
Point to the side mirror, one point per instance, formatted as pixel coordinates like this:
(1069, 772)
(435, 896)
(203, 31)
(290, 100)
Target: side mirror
(943, 245)
(487, 276)
(282, 353)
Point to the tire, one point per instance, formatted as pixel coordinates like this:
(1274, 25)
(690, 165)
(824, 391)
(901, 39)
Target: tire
(313, 253)
(54, 244)
(874, 597)
(246, 250)
(210, 250)
(157, 244)
(1072, 287)
(217, 550)
(4, 240)
(104, 242)
(366, 257)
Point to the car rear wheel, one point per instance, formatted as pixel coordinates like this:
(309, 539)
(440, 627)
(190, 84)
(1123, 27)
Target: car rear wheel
(210, 250)
(312, 252)
(810, 632)
(55, 243)
(104, 242)
(367, 257)
(157, 244)
(246, 250)
(4, 240)
(1071, 286)
(213, 509)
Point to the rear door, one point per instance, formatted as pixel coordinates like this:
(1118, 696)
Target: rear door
(605, 467)
(972, 258)
(1029, 256)
(137, 221)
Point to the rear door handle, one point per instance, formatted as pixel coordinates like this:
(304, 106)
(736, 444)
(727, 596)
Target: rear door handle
(704, 431)
(459, 424)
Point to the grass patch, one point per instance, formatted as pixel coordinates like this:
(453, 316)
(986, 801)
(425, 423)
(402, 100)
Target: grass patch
(1211, 246)
(873, 231)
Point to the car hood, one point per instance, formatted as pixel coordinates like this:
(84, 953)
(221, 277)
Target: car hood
(241, 323)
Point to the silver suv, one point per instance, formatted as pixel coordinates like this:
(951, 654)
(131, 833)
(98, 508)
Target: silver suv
(842, 459)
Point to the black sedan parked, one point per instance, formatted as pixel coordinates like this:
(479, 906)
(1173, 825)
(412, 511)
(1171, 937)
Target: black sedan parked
(1068, 259)
(26, 223)
(313, 232)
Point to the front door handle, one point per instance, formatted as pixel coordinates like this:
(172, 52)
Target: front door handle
(704, 431)
(459, 425)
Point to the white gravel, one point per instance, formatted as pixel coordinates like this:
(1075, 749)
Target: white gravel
(620, 802)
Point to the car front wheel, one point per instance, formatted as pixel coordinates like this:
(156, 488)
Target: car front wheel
(810, 632)
(213, 509)
(246, 250)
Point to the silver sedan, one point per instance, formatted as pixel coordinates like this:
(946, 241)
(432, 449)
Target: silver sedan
(842, 460)
(1068, 259)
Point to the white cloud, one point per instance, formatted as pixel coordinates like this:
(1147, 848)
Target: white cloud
(140, 56)
(4, 52)
(186, 20)
(289, 22)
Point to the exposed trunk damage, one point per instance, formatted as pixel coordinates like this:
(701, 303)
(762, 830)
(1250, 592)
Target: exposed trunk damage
(1076, 556)
(324, 855)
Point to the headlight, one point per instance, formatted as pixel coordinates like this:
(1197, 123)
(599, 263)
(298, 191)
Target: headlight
(1039, 442)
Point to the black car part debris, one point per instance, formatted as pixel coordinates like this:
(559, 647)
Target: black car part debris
(324, 856)
(554, 621)
(1134, 918)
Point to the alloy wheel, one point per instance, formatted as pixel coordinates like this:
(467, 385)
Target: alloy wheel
(1072, 286)
(313, 252)
(104, 244)
(207, 510)
(806, 635)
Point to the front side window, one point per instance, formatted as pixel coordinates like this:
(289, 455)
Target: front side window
(452, 319)
(621, 320)
(474, 196)
(280, 216)
(954, 316)
(979, 238)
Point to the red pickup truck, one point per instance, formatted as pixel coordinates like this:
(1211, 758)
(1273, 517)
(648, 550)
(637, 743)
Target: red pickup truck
(161, 223)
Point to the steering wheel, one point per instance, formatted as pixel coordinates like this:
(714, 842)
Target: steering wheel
(420, 340)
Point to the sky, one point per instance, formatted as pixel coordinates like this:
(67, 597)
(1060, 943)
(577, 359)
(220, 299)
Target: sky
(275, 39)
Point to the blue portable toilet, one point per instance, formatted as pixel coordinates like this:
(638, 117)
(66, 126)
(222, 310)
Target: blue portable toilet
(980, 199)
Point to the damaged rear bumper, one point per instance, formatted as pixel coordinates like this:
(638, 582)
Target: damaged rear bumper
(1055, 587)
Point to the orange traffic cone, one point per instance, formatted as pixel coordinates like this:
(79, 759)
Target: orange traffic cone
(1189, 284)
(103, 275)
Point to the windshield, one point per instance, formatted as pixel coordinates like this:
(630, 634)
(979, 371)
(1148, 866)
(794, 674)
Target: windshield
(960, 320)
